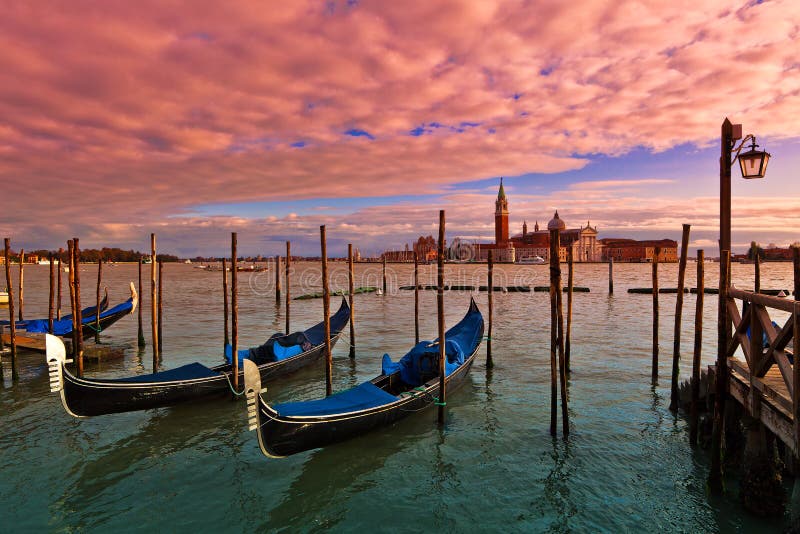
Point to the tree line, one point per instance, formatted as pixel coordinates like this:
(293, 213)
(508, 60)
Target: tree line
(92, 255)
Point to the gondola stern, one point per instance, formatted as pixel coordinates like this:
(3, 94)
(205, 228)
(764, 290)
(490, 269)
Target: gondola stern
(56, 357)
(134, 298)
(473, 306)
(252, 390)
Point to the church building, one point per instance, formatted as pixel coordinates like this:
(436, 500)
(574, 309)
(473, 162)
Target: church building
(528, 245)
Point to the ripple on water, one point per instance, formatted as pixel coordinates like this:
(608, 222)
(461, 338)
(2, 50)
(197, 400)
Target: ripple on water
(626, 467)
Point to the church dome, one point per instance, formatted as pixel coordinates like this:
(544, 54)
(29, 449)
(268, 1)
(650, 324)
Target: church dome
(556, 223)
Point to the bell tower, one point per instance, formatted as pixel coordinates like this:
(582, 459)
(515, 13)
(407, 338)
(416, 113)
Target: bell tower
(501, 216)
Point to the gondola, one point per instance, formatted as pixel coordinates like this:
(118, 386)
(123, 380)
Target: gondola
(83, 397)
(41, 325)
(402, 388)
(31, 336)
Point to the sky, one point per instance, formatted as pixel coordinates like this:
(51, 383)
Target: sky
(196, 119)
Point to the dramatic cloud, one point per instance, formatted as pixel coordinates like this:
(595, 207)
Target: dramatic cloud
(119, 115)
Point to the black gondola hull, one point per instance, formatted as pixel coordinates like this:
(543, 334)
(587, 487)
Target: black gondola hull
(284, 436)
(88, 329)
(86, 398)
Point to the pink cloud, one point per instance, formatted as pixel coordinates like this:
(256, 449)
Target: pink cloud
(119, 113)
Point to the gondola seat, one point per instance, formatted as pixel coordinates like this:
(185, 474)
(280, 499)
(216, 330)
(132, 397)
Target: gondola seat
(422, 362)
(361, 397)
(278, 347)
(189, 371)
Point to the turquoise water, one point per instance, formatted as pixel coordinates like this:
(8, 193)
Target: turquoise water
(627, 465)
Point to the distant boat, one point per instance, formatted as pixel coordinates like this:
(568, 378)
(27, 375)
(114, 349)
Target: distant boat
(188, 262)
(66, 269)
(44, 262)
(147, 260)
(532, 260)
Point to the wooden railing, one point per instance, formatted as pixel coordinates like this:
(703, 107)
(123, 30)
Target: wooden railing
(771, 397)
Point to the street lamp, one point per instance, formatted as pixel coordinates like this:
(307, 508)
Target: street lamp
(753, 164)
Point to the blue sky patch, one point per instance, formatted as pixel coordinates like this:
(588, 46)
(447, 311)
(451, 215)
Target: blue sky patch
(355, 132)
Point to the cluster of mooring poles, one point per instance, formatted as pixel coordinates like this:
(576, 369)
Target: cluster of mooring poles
(284, 287)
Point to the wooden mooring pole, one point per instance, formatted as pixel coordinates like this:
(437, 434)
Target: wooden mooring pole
(22, 285)
(326, 310)
(562, 374)
(796, 371)
(416, 298)
(442, 402)
(225, 309)
(656, 254)
(715, 476)
(384, 274)
(796, 345)
(97, 306)
(610, 276)
(570, 288)
(78, 330)
(674, 399)
(235, 311)
(554, 268)
(141, 341)
(154, 302)
(71, 282)
(12, 325)
(490, 287)
(351, 286)
(756, 267)
(160, 307)
(51, 302)
(59, 269)
(278, 280)
(698, 350)
(796, 269)
(288, 266)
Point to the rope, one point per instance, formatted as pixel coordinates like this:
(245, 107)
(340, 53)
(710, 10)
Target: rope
(91, 327)
(416, 393)
(228, 378)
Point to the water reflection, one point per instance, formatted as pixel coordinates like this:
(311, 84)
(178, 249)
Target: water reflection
(330, 475)
(110, 468)
(561, 505)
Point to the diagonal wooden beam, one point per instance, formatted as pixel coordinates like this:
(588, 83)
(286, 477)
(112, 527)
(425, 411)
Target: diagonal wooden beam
(766, 323)
(784, 336)
(740, 325)
(775, 353)
(739, 335)
(768, 359)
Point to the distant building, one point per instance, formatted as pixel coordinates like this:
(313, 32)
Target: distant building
(631, 250)
(775, 253)
(582, 240)
(425, 247)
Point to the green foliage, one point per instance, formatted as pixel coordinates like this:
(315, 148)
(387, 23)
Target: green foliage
(755, 248)
(90, 255)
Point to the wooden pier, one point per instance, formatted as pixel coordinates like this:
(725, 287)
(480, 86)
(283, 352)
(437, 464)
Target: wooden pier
(764, 382)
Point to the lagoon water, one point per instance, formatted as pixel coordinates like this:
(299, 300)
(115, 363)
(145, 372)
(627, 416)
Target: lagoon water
(626, 467)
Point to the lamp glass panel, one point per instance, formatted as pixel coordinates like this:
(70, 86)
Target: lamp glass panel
(750, 163)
